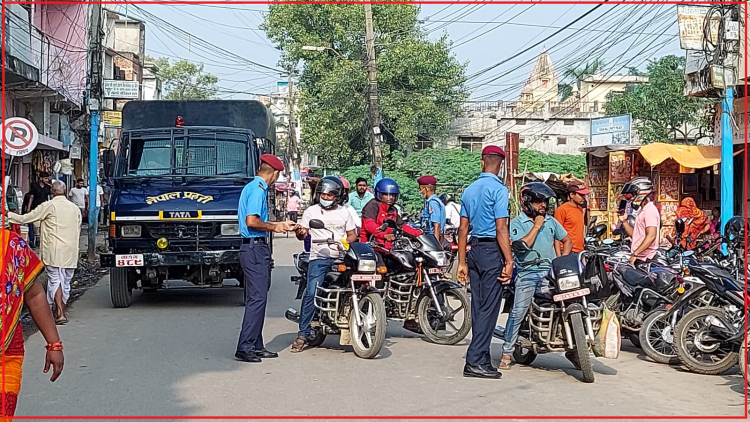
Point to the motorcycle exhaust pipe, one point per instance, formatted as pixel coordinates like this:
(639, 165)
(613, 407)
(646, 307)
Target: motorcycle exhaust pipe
(292, 315)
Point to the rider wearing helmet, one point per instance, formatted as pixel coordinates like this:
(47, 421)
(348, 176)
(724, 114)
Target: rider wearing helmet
(338, 221)
(539, 231)
(380, 209)
(644, 232)
(344, 202)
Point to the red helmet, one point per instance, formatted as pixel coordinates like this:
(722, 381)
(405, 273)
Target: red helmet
(345, 182)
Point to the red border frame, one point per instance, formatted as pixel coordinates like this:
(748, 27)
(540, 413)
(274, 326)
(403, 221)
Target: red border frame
(177, 2)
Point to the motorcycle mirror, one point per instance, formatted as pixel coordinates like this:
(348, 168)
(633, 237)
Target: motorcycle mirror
(317, 224)
(688, 253)
(589, 240)
(608, 242)
(520, 246)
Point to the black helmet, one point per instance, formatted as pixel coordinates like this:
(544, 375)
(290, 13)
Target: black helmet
(639, 188)
(329, 184)
(447, 197)
(535, 192)
(735, 227)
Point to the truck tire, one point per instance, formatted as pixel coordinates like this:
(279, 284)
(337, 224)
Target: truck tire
(120, 290)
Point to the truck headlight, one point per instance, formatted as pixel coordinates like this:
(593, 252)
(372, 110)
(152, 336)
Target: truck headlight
(230, 229)
(367, 266)
(131, 231)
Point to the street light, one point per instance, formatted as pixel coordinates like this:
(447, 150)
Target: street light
(321, 49)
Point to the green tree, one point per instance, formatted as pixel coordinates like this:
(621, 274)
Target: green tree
(661, 111)
(184, 80)
(575, 75)
(420, 81)
(535, 161)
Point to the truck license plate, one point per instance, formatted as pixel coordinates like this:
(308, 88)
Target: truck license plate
(129, 260)
(570, 295)
(365, 277)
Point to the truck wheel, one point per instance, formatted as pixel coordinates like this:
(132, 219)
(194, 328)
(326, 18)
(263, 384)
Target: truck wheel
(119, 287)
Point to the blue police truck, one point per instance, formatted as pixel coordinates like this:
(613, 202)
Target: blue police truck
(177, 172)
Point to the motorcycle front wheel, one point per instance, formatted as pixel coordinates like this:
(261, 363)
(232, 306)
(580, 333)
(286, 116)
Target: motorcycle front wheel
(696, 352)
(457, 322)
(582, 349)
(743, 361)
(657, 338)
(368, 339)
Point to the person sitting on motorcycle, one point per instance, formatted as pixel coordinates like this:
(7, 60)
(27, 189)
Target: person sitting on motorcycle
(338, 221)
(433, 213)
(452, 210)
(539, 231)
(644, 233)
(380, 209)
(344, 202)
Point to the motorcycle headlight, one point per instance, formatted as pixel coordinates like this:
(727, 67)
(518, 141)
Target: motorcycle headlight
(569, 283)
(230, 229)
(131, 231)
(367, 266)
(440, 257)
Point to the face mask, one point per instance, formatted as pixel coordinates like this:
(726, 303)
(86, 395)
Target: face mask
(326, 203)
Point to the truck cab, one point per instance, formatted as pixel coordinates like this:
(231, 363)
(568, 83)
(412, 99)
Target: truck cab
(177, 172)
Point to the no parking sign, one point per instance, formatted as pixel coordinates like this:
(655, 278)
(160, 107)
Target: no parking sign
(20, 136)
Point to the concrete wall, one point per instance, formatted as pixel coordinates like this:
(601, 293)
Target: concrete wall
(130, 37)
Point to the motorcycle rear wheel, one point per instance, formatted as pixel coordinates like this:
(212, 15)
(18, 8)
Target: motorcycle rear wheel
(524, 356)
(684, 337)
(743, 361)
(582, 349)
(657, 338)
(430, 322)
(367, 343)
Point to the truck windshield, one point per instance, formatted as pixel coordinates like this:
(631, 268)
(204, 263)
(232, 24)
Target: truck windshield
(205, 154)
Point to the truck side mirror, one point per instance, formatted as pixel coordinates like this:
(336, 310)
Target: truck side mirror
(108, 161)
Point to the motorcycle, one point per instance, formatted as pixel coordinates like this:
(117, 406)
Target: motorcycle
(414, 285)
(560, 319)
(346, 302)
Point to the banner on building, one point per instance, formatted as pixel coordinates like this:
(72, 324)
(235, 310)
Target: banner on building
(612, 130)
(691, 22)
(112, 119)
(121, 89)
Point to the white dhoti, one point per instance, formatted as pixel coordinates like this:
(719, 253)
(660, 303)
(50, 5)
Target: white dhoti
(59, 278)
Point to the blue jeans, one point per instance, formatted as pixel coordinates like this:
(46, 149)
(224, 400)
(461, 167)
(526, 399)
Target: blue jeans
(526, 285)
(316, 273)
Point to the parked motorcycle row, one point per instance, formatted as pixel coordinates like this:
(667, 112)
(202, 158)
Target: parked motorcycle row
(684, 307)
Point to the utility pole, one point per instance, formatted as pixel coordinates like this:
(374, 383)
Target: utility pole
(94, 104)
(727, 109)
(374, 109)
(292, 147)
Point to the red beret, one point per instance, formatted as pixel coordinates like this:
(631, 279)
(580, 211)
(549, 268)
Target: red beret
(272, 161)
(427, 180)
(493, 150)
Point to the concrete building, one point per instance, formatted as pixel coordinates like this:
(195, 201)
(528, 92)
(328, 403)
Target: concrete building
(543, 122)
(151, 86)
(45, 70)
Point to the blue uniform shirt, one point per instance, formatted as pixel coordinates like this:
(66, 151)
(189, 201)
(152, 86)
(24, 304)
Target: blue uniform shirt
(482, 203)
(253, 202)
(544, 242)
(433, 212)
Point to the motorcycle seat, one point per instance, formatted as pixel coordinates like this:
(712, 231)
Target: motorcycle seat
(634, 277)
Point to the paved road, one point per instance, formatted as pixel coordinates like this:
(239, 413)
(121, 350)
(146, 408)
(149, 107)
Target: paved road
(171, 353)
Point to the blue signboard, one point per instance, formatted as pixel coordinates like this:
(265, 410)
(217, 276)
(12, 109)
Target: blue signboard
(612, 130)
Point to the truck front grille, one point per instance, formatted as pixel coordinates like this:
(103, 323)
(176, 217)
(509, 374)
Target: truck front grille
(180, 230)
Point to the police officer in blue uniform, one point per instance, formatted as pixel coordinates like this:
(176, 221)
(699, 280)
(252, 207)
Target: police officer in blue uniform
(484, 215)
(255, 257)
(433, 214)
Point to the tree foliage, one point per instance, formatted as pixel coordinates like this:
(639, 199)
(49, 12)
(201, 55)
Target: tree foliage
(661, 111)
(535, 161)
(184, 80)
(574, 76)
(420, 81)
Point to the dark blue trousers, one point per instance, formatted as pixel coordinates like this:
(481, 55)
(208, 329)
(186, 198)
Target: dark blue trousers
(485, 264)
(255, 259)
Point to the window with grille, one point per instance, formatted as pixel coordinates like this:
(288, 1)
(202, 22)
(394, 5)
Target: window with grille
(471, 143)
(562, 141)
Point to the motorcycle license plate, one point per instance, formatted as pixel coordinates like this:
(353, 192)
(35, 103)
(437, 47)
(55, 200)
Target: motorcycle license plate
(129, 260)
(570, 295)
(365, 277)
(436, 270)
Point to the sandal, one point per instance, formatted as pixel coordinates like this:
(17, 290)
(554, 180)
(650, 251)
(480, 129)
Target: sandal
(299, 344)
(505, 364)
(62, 321)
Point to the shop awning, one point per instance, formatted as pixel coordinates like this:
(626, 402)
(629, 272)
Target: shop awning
(694, 157)
(603, 151)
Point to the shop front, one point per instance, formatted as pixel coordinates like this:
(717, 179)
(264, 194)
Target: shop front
(677, 171)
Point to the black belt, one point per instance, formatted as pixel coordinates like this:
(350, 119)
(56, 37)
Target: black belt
(248, 240)
(484, 239)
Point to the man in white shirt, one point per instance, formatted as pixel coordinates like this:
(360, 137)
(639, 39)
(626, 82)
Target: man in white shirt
(99, 196)
(338, 221)
(60, 222)
(79, 195)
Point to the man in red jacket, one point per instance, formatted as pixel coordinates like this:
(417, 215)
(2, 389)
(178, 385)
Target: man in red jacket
(382, 208)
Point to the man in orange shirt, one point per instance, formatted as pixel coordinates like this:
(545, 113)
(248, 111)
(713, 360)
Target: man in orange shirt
(571, 215)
